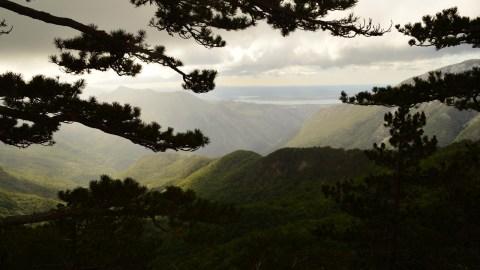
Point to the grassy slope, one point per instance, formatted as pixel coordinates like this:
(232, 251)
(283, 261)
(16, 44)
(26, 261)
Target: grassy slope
(158, 170)
(10, 183)
(60, 167)
(20, 196)
(348, 126)
(471, 131)
(20, 203)
(344, 126)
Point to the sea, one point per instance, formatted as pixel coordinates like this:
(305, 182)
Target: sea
(284, 95)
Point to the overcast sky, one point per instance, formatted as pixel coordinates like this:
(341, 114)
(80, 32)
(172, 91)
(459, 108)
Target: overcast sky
(258, 56)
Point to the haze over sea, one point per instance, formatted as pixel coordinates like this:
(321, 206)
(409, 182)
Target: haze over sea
(275, 95)
(284, 95)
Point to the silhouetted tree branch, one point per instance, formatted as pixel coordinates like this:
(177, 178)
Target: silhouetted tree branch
(461, 90)
(30, 112)
(445, 29)
(287, 16)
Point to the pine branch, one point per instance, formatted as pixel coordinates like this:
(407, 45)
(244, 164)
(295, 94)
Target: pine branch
(445, 29)
(460, 90)
(238, 15)
(30, 112)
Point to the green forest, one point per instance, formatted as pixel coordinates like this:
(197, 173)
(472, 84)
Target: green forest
(386, 179)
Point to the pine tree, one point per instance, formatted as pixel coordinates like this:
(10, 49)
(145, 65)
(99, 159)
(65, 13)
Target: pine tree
(386, 205)
(378, 202)
(31, 111)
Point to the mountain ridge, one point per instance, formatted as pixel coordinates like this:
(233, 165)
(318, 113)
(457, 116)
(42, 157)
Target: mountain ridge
(352, 126)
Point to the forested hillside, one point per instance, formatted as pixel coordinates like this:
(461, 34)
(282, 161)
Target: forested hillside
(246, 176)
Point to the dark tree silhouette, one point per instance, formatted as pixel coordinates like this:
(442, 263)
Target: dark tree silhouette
(379, 200)
(460, 90)
(45, 103)
(445, 29)
(30, 112)
(112, 224)
(387, 204)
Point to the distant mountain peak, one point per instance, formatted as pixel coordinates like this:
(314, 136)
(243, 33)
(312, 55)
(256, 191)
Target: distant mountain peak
(454, 68)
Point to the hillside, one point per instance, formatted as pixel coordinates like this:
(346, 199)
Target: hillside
(244, 176)
(82, 154)
(20, 196)
(10, 183)
(349, 126)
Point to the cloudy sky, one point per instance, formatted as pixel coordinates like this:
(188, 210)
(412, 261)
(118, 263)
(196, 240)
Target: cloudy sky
(258, 56)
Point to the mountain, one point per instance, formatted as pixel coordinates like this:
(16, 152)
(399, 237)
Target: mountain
(230, 125)
(244, 176)
(454, 68)
(350, 126)
(82, 154)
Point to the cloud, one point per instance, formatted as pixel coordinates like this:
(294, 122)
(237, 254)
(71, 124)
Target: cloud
(252, 56)
(282, 57)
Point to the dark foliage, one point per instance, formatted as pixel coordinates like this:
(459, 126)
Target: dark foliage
(287, 16)
(445, 29)
(378, 201)
(407, 216)
(434, 226)
(4, 27)
(461, 90)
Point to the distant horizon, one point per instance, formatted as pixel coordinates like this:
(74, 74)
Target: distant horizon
(272, 95)
(220, 87)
